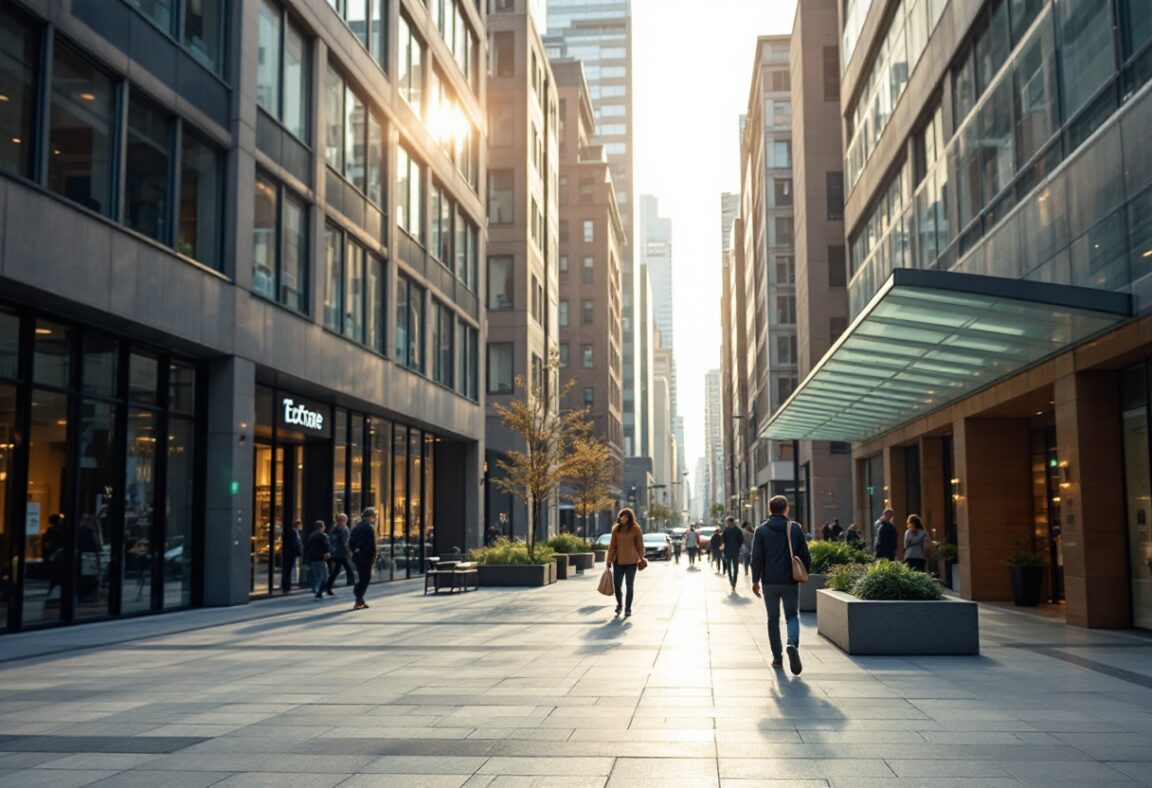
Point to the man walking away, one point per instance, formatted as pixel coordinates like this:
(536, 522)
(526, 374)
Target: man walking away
(317, 552)
(692, 544)
(362, 544)
(676, 549)
(291, 546)
(733, 540)
(772, 564)
(749, 534)
(338, 539)
(886, 536)
(717, 545)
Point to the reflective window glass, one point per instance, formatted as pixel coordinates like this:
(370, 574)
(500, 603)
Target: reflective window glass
(9, 344)
(7, 445)
(182, 388)
(333, 278)
(294, 256)
(295, 82)
(161, 12)
(100, 357)
(264, 238)
(51, 362)
(95, 512)
(199, 219)
(1087, 49)
(142, 379)
(80, 138)
(204, 24)
(354, 292)
(148, 170)
(268, 58)
(1034, 93)
(139, 511)
(47, 531)
(374, 303)
(178, 521)
(18, 66)
(1135, 26)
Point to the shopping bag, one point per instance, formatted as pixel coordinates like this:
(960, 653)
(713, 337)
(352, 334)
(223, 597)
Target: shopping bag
(606, 588)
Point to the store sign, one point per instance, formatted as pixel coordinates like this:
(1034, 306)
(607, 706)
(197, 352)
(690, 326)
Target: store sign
(299, 414)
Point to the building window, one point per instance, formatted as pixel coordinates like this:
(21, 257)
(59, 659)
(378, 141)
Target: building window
(537, 301)
(409, 194)
(785, 270)
(500, 374)
(353, 284)
(441, 324)
(782, 188)
(586, 312)
(282, 70)
(786, 349)
(19, 62)
(832, 71)
(501, 197)
(780, 82)
(783, 227)
(564, 355)
(562, 313)
(440, 217)
(148, 170)
(466, 377)
(563, 264)
(366, 20)
(198, 221)
(837, 267)
(410, 75)
(354, 139)
(586, 356)
(280, 245)
(503, 54)
(1034, 94)
(834, 183)
(500, 283)
(589, 230)
(586, 274)
(785, 309)
(467, 250)
(82, 129)
(588, 398)
(782, 154)
(409, 324)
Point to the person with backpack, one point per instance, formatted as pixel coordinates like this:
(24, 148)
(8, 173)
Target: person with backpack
(777, 540)
(362, 544)
(317, 551)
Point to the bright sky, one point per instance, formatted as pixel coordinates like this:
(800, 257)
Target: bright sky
(692, 69)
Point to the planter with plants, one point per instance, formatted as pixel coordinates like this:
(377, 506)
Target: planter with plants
(1026, 569)
(507, 563)
(826, 555)
(890, 609)
(577, 551)
(946, 555)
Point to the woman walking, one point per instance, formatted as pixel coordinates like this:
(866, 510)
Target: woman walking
(914, 543)
(625, 552)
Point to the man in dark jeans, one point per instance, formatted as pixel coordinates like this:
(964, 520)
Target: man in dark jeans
(291, 547)
(733, 539)
(716, 545)
(338, 538)
(772, 563)
(362, 544)
(885, 535)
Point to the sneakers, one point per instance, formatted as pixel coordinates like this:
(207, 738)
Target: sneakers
(778, 664)
(319, 595)
(330, 592)
(618, 610)
(627, 613)
(360, 605)
(794, 660)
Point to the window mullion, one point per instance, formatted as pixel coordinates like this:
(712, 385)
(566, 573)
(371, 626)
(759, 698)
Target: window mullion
(119, 160)
(174, 176)
(44, 106)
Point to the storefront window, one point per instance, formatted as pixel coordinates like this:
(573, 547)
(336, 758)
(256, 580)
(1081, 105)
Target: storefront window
(9, 344)
(46, 537)
(1134, 419)
(178, 533)
(95, 508)
(380, 458)
(356, 466)
(399, 557)
(100, 364)
(51, 357)
(139, 510)
(431, 547)
(415, 503)
(7, 446)
(340, 466)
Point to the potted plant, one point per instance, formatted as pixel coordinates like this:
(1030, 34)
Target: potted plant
(574, 552)
(826, 555)
(946, 555)
(509, 563)
(1027, 572)
(888, 608)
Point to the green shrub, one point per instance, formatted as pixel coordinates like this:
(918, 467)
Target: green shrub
(946, 553)
(1026, 558)
(828, 554)
(505, 551)
(843, 576)
(569, 543)
(894, 580)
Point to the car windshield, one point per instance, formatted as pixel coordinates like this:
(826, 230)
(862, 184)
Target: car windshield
(655, 539)
(604, 539)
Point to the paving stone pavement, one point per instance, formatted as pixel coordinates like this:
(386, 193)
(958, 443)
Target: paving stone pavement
(511, 688)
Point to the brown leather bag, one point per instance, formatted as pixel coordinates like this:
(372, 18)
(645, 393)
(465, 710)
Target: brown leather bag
(606, 586)
(799, 571)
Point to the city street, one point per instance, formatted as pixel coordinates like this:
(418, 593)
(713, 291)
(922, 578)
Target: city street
(545, 687)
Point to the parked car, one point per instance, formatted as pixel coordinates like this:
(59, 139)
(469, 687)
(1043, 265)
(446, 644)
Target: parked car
(656, 547)
(603, 540)
(705, 532)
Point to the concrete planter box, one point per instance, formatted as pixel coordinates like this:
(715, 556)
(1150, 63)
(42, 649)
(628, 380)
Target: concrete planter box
(582, 560)
(898, 628)
(601, 555)
(808, 592)
(564, 567)
(517, 574)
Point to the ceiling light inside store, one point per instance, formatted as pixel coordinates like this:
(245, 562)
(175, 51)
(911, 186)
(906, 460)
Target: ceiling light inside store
(88, 96)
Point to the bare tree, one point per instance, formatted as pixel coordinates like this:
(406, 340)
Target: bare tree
(548, 433)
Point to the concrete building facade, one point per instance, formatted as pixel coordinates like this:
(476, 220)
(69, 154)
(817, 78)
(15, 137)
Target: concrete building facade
(524, 308)
(711, 486)
(238, 288)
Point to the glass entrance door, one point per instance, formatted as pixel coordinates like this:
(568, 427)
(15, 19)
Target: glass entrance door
(268, 518)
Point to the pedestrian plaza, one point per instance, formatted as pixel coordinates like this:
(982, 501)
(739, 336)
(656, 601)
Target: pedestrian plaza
(545, 687)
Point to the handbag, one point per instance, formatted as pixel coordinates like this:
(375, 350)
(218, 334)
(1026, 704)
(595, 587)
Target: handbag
(642, 564)
(606, 586)
(799, 571)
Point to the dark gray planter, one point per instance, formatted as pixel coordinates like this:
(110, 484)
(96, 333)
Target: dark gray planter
(517, 574)
(872, 627)
(808, 592)
(601, 555)
(582, 560)
(564, 567)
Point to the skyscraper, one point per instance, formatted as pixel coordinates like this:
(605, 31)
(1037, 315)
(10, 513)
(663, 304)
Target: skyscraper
(713, 489)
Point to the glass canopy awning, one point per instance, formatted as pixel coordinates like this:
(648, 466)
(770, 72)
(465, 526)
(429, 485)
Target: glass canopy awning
(930, 338)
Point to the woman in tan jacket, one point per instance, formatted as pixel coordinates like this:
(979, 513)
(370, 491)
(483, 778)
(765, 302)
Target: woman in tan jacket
(625, 552)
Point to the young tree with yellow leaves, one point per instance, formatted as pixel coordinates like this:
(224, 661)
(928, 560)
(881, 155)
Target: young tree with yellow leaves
(547, 433)
(592, 471)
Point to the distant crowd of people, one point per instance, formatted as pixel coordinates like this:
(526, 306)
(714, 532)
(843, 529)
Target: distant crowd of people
(327, 552)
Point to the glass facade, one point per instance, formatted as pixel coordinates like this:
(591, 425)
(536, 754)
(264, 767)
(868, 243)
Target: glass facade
(98, 461)
(1040, 179)
(1138, 482)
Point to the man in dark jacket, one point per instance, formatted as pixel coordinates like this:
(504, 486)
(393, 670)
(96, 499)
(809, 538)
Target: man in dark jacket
(362, 544)
(772, 564)
(716, 543)
(733, 539)
(338, 537)
(317, 551)
(291, 546)
(886, 536)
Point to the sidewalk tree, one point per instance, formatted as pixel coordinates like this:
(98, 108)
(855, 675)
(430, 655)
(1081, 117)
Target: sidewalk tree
(716, 511)
(547, 434)
(659, 511)
(591, 474)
